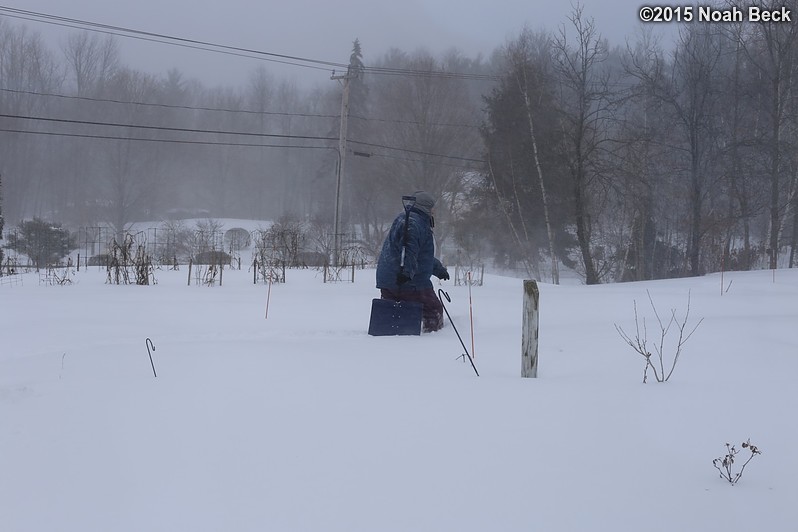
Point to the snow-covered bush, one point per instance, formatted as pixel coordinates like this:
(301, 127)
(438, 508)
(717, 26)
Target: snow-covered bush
(45, 243)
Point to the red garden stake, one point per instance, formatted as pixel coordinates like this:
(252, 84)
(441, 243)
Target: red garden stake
(268, 295)
(441, 296)
(471, 316)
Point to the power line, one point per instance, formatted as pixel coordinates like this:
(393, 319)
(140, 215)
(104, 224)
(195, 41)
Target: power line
(242, 111)
(169, 141)
(417, 152)
(165, 39)
(386, 71)
(226, 49)
(217, 143)
(217, 132)
(412, 122)
(168, 106)
(166, 128)
(406, 159)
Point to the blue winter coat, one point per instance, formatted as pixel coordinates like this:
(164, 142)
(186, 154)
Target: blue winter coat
(420, 262)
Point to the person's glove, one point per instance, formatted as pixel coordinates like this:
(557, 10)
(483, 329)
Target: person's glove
(445, 275)
(401, 278)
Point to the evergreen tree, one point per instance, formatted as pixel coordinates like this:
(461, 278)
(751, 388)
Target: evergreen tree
(43, 242)
(356, 65)
(521, 158)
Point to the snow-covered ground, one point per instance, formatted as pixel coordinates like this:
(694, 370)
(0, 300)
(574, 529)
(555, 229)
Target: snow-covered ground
(302, 422)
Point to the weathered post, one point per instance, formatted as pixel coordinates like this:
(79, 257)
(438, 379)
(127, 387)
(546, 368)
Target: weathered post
(529, 334)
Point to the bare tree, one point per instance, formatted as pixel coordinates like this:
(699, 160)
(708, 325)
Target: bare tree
(91, 60)
(130, 169)
(688, 92)
(737, 138)
(637, 165)
(26, 67)
(91, 63)
(772, 49)
(584, 110)
(260, 94)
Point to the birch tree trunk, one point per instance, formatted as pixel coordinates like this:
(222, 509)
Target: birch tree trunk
(520, 55)
(555, 273)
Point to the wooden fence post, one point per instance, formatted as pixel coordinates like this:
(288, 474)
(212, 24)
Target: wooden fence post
(529, 334)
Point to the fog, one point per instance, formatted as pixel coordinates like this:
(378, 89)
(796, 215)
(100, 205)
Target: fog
(553, 135)
(322, 30)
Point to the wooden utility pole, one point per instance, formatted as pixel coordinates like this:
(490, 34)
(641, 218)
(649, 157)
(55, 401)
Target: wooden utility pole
(529, 333)
(341, 162)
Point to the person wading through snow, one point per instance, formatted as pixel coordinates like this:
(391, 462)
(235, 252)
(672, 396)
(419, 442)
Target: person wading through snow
(409, 280)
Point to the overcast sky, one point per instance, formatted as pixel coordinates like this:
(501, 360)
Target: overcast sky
(319, 29)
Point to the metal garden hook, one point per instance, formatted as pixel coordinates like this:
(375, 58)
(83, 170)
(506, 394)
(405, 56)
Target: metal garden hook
(150, 344)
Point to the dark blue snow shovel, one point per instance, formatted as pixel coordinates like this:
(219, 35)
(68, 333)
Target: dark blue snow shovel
(394, 318)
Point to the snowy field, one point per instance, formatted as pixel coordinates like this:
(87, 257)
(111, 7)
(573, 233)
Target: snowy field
(302, 422)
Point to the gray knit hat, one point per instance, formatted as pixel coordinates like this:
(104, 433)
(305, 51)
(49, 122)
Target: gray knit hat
(424, 202)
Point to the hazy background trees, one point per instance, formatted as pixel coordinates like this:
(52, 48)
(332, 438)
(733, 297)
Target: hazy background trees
(434, 120)
(636, 162)
(2, 222)
(674, 158)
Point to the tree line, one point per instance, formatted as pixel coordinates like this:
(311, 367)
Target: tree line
(638, 163)
(632, 162)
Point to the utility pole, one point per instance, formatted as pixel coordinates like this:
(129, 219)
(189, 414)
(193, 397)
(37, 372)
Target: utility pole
(341, 161)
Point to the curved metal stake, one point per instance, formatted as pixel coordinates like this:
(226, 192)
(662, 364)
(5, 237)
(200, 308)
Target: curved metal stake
(149, 343)
(441, 295)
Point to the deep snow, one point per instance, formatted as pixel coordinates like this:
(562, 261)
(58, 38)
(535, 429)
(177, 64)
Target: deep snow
(304, 422)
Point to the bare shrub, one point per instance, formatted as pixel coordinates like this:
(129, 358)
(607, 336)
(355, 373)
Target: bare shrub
(206, 275)
(725, 464)
(269, 267)
(128, 267)
(207, 236)
(661, 360)
(177, 245)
